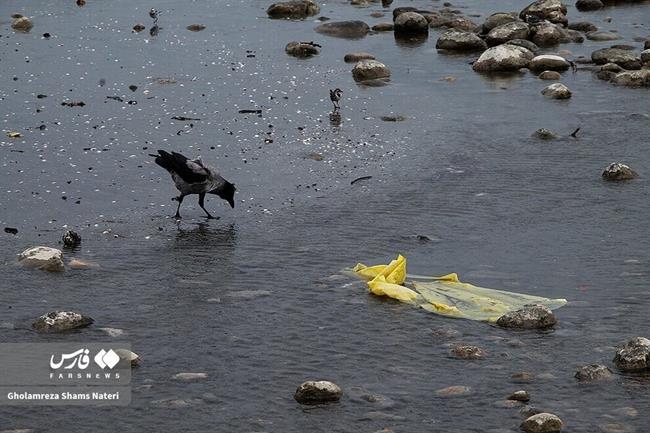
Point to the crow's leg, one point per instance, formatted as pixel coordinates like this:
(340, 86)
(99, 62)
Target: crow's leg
(201, 198)
(180, 200)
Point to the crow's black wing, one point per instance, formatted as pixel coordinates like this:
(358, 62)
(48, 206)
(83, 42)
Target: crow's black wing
(177, 163)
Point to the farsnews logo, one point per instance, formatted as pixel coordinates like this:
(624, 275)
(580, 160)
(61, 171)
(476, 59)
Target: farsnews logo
(73, 365)
(81, 360)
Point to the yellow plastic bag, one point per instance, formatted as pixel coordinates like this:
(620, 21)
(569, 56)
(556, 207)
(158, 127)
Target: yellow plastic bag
(445, 295)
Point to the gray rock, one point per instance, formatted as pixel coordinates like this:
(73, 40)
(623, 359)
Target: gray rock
(497, 19)
(624, 58)
(370, 70)
(606, 75)
(357, 57)
(503, 58)
(44, 258)
(646, 44)
(570, 36)
(467, 352)
(61, 321)
(294, 9)
(583, 26)
(451, 21)
(552, 10)
(634, 355)
(532, 316)
(403, 9)
(301, 49)
(383, 27)
(315, 392)
(593, 373)
(189, 376)
(545, 134)
(557, 91)
(506, 32)
(71, 239)
(520, 396)
(542, 423)
(645, 56)
(454, 391)
(411, 23)
(611, 67)
(22, 24)
(524, 43)
(548, 62)
(546, 34)
(633, 78)
(459, 40)
(603, 36)
(589, 5)
(129, 357)
(619, 171)
(549, 75)
(344, 29)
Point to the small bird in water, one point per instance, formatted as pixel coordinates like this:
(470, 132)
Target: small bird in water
(335, 97)
(153, 13)
(195, 177)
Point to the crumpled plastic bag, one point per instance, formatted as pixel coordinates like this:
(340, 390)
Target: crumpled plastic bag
(445, 295)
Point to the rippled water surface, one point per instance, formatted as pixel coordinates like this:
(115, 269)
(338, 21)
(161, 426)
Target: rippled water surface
(254, 299)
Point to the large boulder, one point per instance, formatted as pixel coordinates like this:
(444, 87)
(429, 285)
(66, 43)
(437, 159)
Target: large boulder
(294, 9)
(317, 391)
(634, 355)
(301, 49)
(593, 373)
(619, 171)
(624, 58)
(459, 40)
(551, 10)
(589, 5)
(503, 58)
(546, 34)
(344, 29)
(548, 62)
(45, 258)
(411, 23)
(532, 316)
(633, 78)
(497, 19)
(506, 32)
(557, 91)
(61, 321)
(366, 70)
(542, 423)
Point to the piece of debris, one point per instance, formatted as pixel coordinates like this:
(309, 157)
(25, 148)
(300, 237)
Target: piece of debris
(359, 179)
(14, 134)
(73, 103)
(250, 111)
(195, 27)
(11, 230)
(185, 119)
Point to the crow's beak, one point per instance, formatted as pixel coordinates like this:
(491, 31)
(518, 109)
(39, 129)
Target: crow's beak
(232, 203)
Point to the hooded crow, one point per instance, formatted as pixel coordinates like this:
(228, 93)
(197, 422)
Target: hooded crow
(194, 177)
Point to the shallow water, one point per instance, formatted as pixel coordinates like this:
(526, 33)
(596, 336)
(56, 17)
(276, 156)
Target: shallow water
(502, 209)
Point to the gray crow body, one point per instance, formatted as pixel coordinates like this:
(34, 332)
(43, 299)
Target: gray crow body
(194, 177)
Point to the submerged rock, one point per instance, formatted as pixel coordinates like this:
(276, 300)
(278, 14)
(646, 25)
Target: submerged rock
(603, 36)
(593, 373)
(583, 26)
(301, 49)
(503, 58)
(532, 316)
(317, 391)
(22, 24)
(187, 376)
(127, 356)
(357, 57)
(459, 40)
(634, 355)
(557, 91)
(411, 23)
(633, 78)
(344, 29)
(519, 396)
(45, 258)
(383, 27)
(549, 75)
(370, 70)
(589, 5)
(82, 264)
(506, 32)
(453, 391)
(61, 321)
(295, 9)
(542, 423)
(619, 171)
(467, 352)
(548, 62)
